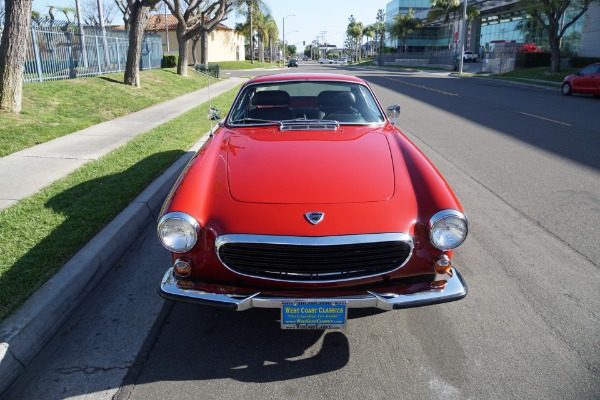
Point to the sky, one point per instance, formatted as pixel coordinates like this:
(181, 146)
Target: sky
(305, 20)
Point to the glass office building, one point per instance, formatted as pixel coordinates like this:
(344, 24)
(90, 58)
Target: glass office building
(428, 37)
(501, 21)
(519, 27)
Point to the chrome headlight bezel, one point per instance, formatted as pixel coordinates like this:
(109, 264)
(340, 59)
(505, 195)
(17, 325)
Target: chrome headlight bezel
(188, 228)
(441, 220)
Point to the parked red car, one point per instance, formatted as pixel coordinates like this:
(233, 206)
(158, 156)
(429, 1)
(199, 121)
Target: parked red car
(309, 199)
(586, 80)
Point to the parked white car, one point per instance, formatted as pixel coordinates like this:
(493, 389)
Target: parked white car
(324, 60)
(468, 56)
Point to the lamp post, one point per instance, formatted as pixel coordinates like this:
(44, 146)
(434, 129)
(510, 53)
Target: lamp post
(167, 27)
(463, 39)
(284, 49)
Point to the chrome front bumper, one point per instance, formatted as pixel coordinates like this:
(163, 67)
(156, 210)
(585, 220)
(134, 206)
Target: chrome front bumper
(455, 289)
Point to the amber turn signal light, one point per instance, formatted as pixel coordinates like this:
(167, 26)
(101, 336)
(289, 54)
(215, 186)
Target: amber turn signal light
(443, 265)
(182, 268)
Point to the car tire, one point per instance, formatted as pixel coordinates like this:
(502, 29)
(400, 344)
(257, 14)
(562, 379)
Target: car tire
(566, 89)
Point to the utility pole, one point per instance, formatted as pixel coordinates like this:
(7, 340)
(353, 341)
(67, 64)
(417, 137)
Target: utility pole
(81, 34)
(167, 27)
(463, 39)
(284, 46)
(251, 35)
(104, 41)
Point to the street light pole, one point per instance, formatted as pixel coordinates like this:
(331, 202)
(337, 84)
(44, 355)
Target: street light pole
(284, 49)
(463, 39)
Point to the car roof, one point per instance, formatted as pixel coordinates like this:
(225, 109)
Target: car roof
(304, 77)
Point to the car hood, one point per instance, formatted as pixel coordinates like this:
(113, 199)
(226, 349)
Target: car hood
(300, 169)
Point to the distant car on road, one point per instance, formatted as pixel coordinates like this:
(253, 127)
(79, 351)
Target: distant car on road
(469, 56)
(324, 60)
(340, 60)
(292, 63)
(586, 80)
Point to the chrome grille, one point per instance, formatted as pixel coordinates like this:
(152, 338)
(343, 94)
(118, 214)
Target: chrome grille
(314, 259)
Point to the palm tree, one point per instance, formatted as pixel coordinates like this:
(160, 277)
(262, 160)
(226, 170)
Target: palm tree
(249, 8)
(355, 32)
(380, 27)
(404, 25)
(272, 34)
(369, 32)
(261, 21)
(443, 9)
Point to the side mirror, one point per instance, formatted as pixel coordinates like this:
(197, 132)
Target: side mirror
(394, 112)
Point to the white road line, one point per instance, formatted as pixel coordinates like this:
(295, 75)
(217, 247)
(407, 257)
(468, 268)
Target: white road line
(545, 119)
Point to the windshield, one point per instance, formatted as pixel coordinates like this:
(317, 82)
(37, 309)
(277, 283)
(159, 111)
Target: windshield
(275, 102)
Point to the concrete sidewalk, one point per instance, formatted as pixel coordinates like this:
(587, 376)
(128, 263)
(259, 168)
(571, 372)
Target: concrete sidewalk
(27, 171)
(25, 333)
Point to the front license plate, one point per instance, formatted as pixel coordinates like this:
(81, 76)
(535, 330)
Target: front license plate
(313, 315)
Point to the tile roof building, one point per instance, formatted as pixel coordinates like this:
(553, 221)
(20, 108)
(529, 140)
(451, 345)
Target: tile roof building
(224, 43)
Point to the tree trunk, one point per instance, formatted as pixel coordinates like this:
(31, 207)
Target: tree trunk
(183, 52)
(261, 48)
(204, 49)
(555, 49)
(139, 20)
(12, 53)
(252, 39)
(195, 41)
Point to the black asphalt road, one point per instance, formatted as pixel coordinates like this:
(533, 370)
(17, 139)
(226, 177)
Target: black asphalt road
(523, 162)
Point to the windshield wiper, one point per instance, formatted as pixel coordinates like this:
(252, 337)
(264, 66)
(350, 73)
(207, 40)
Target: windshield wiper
(264, 121)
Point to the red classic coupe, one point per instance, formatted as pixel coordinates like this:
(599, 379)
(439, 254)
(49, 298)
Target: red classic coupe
(308, 199)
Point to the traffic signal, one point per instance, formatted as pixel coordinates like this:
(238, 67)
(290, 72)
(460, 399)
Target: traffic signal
(304, 43)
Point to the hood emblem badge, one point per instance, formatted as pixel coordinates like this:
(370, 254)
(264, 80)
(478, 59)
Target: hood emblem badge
(314, 217)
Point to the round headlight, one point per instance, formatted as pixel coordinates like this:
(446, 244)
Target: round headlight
(178, 231)
(448, 229)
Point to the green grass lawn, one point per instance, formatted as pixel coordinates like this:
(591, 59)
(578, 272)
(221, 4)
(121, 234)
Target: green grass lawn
(57, 108)
(542, 73)
(40, 233)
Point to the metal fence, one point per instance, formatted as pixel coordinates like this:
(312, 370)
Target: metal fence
(499, 61)
(56, 50)
(444, 58)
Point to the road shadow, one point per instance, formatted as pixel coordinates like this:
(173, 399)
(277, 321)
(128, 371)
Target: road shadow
(577, 144)
(205, 343)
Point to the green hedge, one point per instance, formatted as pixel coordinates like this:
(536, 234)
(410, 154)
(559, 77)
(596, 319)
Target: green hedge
(170, 60)
(532, 60)
(580, 62)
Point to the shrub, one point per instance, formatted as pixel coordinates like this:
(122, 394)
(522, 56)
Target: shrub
(580, 62)
(531, 60)
(170, 60)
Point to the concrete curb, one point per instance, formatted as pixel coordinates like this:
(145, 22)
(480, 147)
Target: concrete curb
(25, 333)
